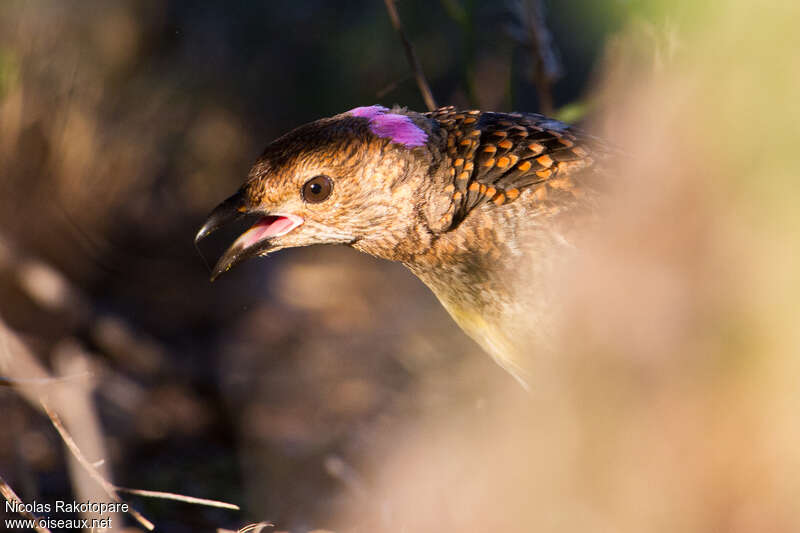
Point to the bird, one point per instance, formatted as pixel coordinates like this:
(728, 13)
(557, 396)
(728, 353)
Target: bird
(478, 205)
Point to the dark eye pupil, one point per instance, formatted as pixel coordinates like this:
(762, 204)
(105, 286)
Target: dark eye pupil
(317, 189)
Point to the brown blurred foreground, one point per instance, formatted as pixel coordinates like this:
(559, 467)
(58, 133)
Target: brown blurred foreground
(672, 402)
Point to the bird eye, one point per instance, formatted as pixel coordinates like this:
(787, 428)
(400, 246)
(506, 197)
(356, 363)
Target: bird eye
(317, 189)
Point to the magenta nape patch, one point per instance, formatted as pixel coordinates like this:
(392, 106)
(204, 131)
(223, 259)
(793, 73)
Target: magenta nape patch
(369, 112)
(399, 128)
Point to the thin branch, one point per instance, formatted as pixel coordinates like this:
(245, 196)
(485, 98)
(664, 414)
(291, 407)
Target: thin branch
(178, 497)
(113, 490)
(11, 496)
(537, 38)
(255, 528)
(543, 75)
(26, 364)
(422, 83)
(250, 528)
(107, 486)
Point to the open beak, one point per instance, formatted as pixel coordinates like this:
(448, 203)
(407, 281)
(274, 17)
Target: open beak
(256, 241)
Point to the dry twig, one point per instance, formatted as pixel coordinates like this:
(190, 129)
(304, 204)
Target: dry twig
(36, 376)
(249, 528)
(178, 497)
(11, 496)
(108, 487)
(533, 34)
(112, 490)
(422, 83)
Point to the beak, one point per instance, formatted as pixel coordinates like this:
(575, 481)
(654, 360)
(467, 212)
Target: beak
(254, 242)
(228, 211)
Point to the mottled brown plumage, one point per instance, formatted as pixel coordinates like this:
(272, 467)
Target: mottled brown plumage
(495, 155)
(479, 205)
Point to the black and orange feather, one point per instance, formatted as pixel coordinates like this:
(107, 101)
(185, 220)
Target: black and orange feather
(493, 156)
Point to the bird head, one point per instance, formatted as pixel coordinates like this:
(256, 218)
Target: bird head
(350, 179)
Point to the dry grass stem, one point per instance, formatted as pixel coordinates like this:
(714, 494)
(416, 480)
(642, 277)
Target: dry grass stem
(11, 496)
(107, 486)
(178, 497)
(250, 528)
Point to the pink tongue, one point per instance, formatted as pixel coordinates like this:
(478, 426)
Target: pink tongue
(265, 228)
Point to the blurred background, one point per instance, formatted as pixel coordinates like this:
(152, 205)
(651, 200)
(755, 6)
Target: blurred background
(320, 388)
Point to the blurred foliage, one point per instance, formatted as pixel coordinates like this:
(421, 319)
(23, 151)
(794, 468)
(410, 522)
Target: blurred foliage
(572, 113)
(9, 72)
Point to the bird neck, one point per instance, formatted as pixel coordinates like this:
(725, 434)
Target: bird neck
(470, 270)
(466, 265)
(491, 274)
